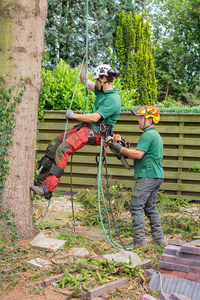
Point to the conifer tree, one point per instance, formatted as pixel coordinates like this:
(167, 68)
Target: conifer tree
(134, 53)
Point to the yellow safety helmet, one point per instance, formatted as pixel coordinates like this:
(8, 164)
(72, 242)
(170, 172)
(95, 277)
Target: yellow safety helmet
(148, 111)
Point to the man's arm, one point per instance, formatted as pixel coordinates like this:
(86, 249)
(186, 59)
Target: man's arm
(117, 148)
(89, 118)
(131, 153)
(91, 84)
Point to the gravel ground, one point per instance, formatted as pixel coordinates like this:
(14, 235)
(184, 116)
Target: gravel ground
(59, 204)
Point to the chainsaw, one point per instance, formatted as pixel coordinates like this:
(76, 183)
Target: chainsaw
(116, 138)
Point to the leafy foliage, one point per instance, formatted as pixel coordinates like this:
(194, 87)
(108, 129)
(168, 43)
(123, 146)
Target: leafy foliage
(65, 32)
(176, 37)
(116, 201)
(134, 53)
(89, 271)
(169, 209)
(7, 123)
(8, 107)
(175, 222)
(59, 87)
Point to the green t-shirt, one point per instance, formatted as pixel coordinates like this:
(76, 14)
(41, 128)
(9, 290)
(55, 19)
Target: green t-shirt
(150, 164)
(108, 105)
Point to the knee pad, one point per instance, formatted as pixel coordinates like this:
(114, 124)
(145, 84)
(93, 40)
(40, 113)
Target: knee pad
(55, 170)
(45, 163)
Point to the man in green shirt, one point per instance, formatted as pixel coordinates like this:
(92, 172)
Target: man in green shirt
(93, 127)
(148, 174)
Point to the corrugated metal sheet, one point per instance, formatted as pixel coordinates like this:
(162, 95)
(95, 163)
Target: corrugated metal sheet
(169, 284)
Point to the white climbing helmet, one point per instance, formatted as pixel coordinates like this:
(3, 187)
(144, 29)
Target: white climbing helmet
(101, 70)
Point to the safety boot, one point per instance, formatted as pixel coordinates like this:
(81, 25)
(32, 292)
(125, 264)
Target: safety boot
(139, 244)
(41, 190)
(160, 242)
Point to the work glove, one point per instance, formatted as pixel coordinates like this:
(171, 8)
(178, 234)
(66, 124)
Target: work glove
(69, 114)
(115, 147)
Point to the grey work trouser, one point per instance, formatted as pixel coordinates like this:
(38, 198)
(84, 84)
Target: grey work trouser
(143, 200)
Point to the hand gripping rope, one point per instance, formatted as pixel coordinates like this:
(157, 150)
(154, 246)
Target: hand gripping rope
(71, 157)
(86, 107)
(102, 158)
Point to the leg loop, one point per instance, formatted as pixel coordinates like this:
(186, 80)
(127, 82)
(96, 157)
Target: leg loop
(44, 165)
(45, 162)
(55, 170)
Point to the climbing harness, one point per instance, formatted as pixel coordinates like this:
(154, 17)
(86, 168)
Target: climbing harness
(86, 61)
(71, 156)
(105, 131)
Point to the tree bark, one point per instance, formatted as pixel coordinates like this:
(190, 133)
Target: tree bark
(22, 25)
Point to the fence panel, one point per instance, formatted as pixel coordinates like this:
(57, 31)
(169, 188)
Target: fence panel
(181, 138)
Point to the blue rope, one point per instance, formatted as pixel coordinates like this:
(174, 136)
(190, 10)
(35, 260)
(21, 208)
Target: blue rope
(86, 63)
(86, 97)
(64, 134)
(100, 189)
(73, 97)
(45, 212)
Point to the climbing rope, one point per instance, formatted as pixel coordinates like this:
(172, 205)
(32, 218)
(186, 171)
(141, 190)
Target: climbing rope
(86, 107)
(86, 61)
(101, 196)
(71, 157)
(45, 213)
(101, 159)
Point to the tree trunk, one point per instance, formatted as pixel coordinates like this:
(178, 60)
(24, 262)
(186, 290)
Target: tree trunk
(21, 50)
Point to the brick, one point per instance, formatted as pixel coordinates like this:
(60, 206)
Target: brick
(188, 256)
(169, 258)
(176, 242)
(193, 277)
(181, 268)
(148, 297)
(175, 296)
(49, 280)
(184, 275)
(194, 270)
(167, 272)
(173, 273)
(189, 262)
(166, 265)
(171, 249)
(191, 248)
(106, 288)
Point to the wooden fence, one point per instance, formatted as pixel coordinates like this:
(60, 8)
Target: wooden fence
(181, 138)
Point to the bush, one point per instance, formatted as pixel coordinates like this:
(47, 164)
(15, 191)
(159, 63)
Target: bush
(59, 86)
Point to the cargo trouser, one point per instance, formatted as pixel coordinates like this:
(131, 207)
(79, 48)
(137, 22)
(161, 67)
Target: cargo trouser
(59, 151)
(143, 200)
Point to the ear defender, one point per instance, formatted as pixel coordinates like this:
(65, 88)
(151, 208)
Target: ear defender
(113, 72)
